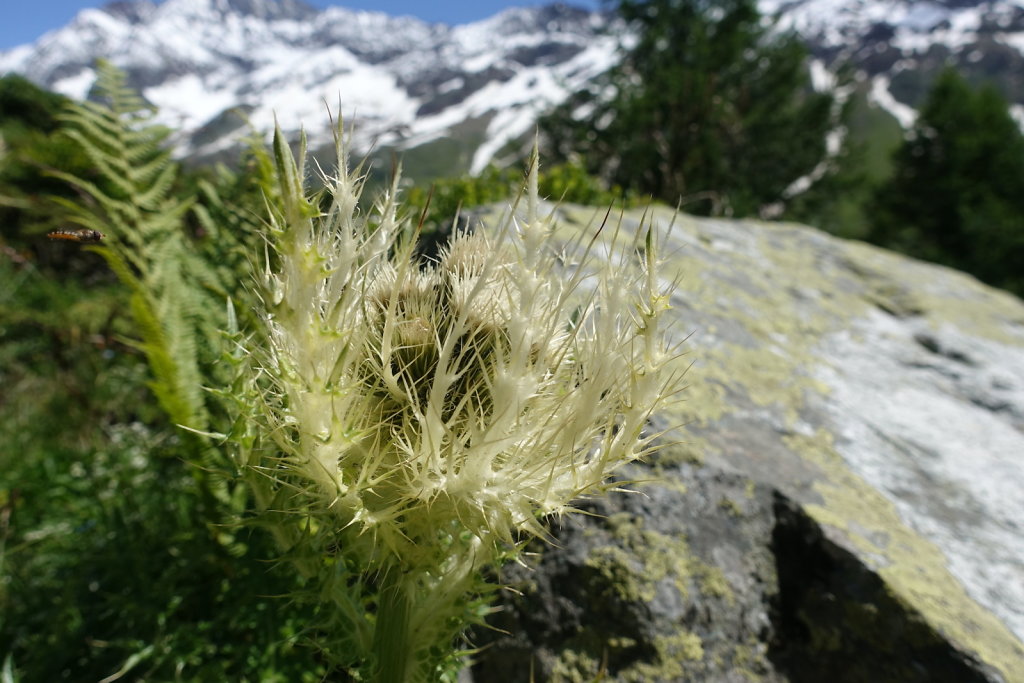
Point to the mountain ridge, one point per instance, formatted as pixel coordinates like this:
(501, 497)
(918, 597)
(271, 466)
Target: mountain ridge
(214, 67)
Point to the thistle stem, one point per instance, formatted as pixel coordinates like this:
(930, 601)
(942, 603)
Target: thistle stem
(391, 638)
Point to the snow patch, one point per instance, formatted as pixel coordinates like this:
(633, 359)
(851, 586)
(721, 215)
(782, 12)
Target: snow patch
(881, 96)
(187, 103)
(76, 86)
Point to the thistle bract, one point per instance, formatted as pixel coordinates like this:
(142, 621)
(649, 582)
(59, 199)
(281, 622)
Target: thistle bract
(425, 415)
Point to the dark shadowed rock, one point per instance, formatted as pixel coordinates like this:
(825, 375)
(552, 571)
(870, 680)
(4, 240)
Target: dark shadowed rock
(845, 505)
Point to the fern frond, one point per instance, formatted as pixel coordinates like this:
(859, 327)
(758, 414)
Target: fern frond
(107, 156)
(112, 88)
(131, 202)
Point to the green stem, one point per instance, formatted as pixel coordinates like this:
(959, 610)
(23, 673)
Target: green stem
(391, 636)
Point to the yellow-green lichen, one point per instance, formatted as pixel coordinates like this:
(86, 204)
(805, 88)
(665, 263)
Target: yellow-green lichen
(749, 658)
(689, 452)
(963, 302)
(703, 402)
(576, 667)
(712, 582)
(641, 560)
(617, 566)
(730, 506)
(912, 567)
(770, 366)
(768, 378)
(674, 654)
(673, 484)
(621, 642)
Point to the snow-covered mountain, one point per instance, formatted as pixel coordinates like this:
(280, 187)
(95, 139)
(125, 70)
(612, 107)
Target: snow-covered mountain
(402, 81)
(898, 46)
(467, 90)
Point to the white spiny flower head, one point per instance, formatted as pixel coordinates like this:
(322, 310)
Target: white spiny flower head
(438, 410)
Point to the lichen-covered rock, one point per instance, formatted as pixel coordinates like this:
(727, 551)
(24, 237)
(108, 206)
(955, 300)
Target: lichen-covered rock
(847, 499)
(667, 584)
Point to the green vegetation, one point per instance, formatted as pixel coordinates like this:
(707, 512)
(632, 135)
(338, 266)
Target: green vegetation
(709, 109)
(116, 557)
(32, 144)
(840, 202)
(164, 509)
(957, 191)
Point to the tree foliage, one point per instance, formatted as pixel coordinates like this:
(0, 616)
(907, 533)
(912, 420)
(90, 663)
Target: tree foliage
(31, 145)
(26, 105)
(957, 192)
(710, 106)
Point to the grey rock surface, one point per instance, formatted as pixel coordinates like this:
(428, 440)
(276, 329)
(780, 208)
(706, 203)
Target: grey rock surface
(845, 501)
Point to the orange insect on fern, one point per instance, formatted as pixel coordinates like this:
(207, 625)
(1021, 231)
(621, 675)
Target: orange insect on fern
(82, 236)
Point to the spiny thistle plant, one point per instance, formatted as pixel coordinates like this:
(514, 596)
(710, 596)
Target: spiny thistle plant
(412, 422)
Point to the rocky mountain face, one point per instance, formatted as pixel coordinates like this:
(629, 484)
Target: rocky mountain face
(898, 46)
(451, 98)
(839, 498)
(212, 66)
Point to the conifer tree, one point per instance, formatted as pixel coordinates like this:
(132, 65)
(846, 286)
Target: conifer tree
(708, 104)
(957, 192)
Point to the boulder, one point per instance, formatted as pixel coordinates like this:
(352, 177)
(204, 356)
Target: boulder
(840, 500)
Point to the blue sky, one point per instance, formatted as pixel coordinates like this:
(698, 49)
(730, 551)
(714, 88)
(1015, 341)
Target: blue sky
(23, 21)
